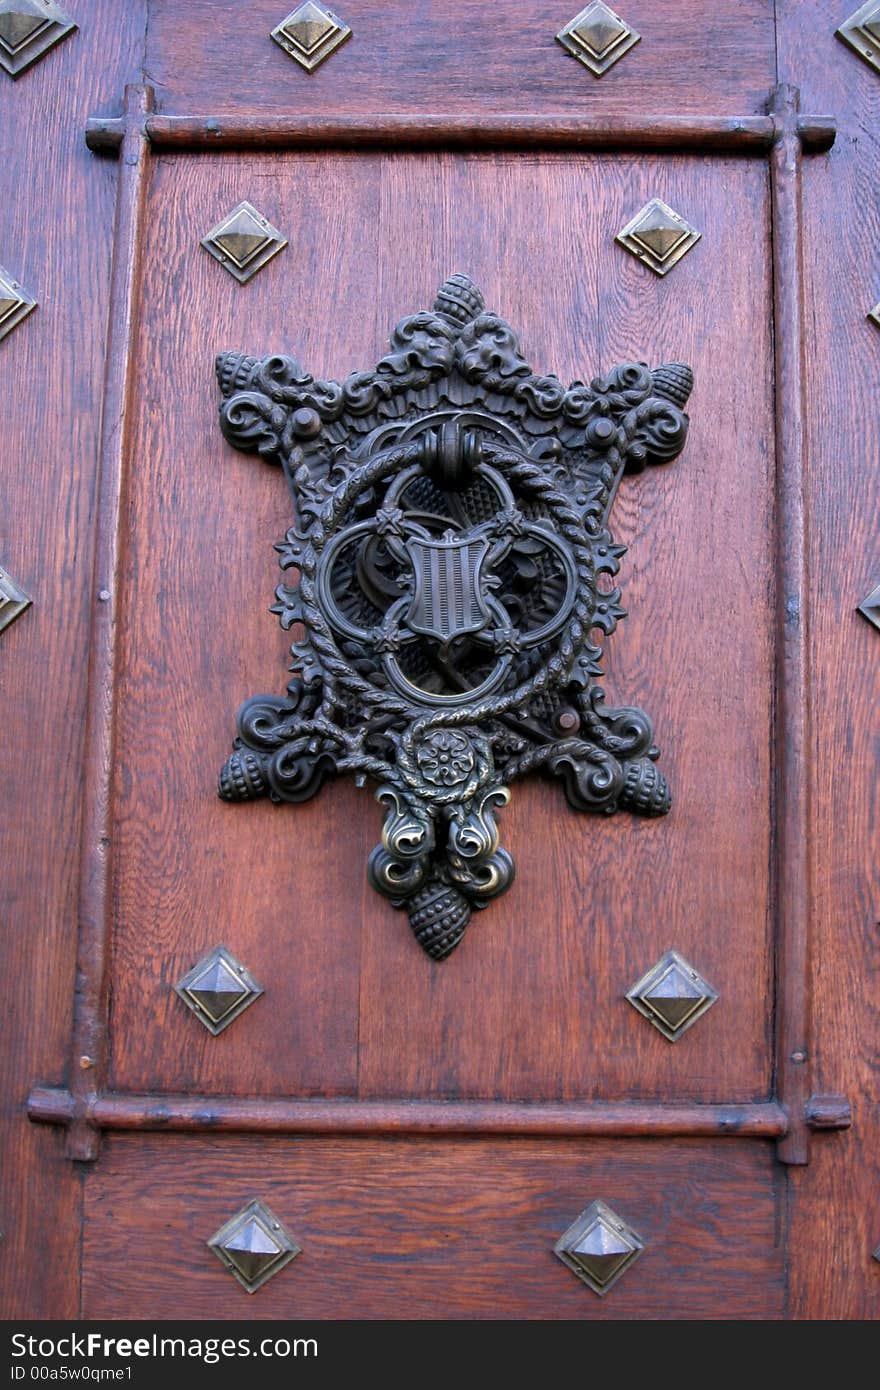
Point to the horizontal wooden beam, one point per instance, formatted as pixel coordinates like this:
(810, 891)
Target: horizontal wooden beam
(194, 1114)
(743, 135)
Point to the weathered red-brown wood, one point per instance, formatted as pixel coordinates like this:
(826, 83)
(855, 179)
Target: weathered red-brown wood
(835, 1216)
(427, 1228)
(531, 1007)
(355, 1021)
(462, 57)
(625, 1119)
(88, 1062)
(56, 223)
(672, 134)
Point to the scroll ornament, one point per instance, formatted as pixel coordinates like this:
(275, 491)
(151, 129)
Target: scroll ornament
(452, 569)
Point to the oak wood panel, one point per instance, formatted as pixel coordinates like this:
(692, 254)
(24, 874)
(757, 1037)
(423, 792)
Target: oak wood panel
(56, 222)
(283, 892)
(531, 1006)
(462, 56)
(836, 1215)
(532, 1003)
(431, 1229)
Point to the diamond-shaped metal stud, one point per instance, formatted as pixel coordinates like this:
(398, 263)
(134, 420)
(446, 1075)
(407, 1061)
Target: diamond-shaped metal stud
(253, 1245)
(15, 302)
(870, 607)
(13, 600)
(599, 1247)
(862, 33)
(244, 241)
(874, 314)
(28, 29)
(673, 995)
(218, 989)
(597, 37)
(310, 34)
(658, 236)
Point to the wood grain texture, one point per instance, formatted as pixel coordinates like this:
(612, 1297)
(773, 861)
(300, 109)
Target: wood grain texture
(246, 1115)
(836, 1220)
(531, 1006)
(55, 228)
(460, 57)
(420, 1228)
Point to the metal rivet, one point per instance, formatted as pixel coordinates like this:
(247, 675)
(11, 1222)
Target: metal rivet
(15, 302)
(672, 995)
(310, 34)
(218, 989)
(870, 607)
(598, 1247)
(861, 33)
(28, 29)
(658, 236)
(244, 241)
(13, 600)
(253, 1245)
(597, 37)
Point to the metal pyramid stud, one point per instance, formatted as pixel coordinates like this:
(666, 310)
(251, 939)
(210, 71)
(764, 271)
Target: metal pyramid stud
(28, 29)
(310, 34)
(218, 989)
(874, 314)
(13, 600)
(672, 995)
(597, 37)
(15, 303)
(870, 607)
(658, 235)
(244, 241)
(861, 32)
(598, 1247)
(253, 1245)
(242, 237)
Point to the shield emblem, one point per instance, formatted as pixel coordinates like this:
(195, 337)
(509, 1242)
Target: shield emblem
(447, 600)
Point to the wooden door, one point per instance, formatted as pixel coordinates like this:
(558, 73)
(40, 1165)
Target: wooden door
(427, 1130)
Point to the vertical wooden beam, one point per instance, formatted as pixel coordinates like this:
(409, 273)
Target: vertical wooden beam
(88, 1063)
(793, 852)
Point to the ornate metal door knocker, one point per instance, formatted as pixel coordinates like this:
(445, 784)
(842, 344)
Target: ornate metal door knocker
(451, 532)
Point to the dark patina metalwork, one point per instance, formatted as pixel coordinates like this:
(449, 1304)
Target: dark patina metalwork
(599, 1247)
(452, 549)
(253, 1245)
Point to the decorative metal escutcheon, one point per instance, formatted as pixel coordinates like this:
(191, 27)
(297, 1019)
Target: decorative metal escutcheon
(453, 554)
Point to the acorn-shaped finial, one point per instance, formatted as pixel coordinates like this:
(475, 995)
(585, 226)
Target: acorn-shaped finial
(674, 381)
(235, 371)
(459, 300)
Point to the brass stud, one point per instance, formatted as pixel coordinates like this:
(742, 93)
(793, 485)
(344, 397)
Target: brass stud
(13, 600)
(861, 32)
(15, 303)
(658, 236)
(28, 29)
(599, 1247)
(253, 1245)
(244, 241)
(870, 607)
(218, 989)
(597, 37)
(672, 995)
(310, 34)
